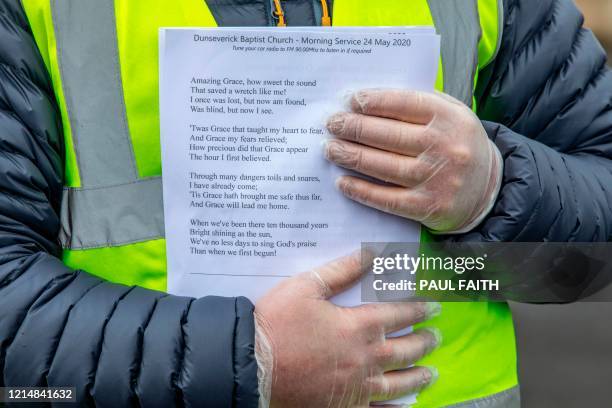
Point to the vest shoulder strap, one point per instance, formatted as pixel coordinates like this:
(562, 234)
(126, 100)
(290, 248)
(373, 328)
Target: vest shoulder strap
(470, 31)
(491, 14)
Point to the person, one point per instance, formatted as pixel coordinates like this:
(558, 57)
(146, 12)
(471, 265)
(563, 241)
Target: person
(530, 161)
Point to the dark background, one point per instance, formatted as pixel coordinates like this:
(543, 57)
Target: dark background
(565, 351)
(565, 354)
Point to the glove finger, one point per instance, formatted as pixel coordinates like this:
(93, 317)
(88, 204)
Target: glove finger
(338, 275)
(395, 384)
(390, 199)
(391, 317)
(385, 166)
(401, 352)
(405, 105)
(387, 134)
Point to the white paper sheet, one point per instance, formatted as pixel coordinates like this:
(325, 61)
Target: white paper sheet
(248, 197)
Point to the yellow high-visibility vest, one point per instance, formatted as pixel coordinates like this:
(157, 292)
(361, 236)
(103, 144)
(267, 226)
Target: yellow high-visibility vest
(102, 56)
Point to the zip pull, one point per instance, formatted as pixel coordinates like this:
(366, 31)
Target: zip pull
(279, 14)
(325, 18)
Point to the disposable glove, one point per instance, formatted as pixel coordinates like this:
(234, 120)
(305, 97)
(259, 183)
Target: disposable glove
(441, 168)
(312, 353)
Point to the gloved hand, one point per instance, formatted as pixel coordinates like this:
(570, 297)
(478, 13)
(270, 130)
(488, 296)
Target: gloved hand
(444, 170)
(312, 353)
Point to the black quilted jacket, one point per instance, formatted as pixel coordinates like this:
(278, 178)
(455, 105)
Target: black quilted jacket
(546, 102)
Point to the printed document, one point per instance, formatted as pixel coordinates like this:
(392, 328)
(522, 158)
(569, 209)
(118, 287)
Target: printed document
(249, 198)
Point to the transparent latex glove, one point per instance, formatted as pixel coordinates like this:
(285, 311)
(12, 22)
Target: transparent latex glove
(312, 353)
(442, 169)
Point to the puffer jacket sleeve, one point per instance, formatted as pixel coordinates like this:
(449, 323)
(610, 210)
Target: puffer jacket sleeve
(117, 345)
(547, 104)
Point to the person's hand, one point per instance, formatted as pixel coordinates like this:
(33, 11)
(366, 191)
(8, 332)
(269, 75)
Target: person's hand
(323, 355)
(442, 168)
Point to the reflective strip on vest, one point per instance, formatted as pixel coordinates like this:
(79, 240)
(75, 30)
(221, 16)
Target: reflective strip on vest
(108, 209)
(112, 216)
(88, 57)
(113, 207)
(506, 399)
(459, 26)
